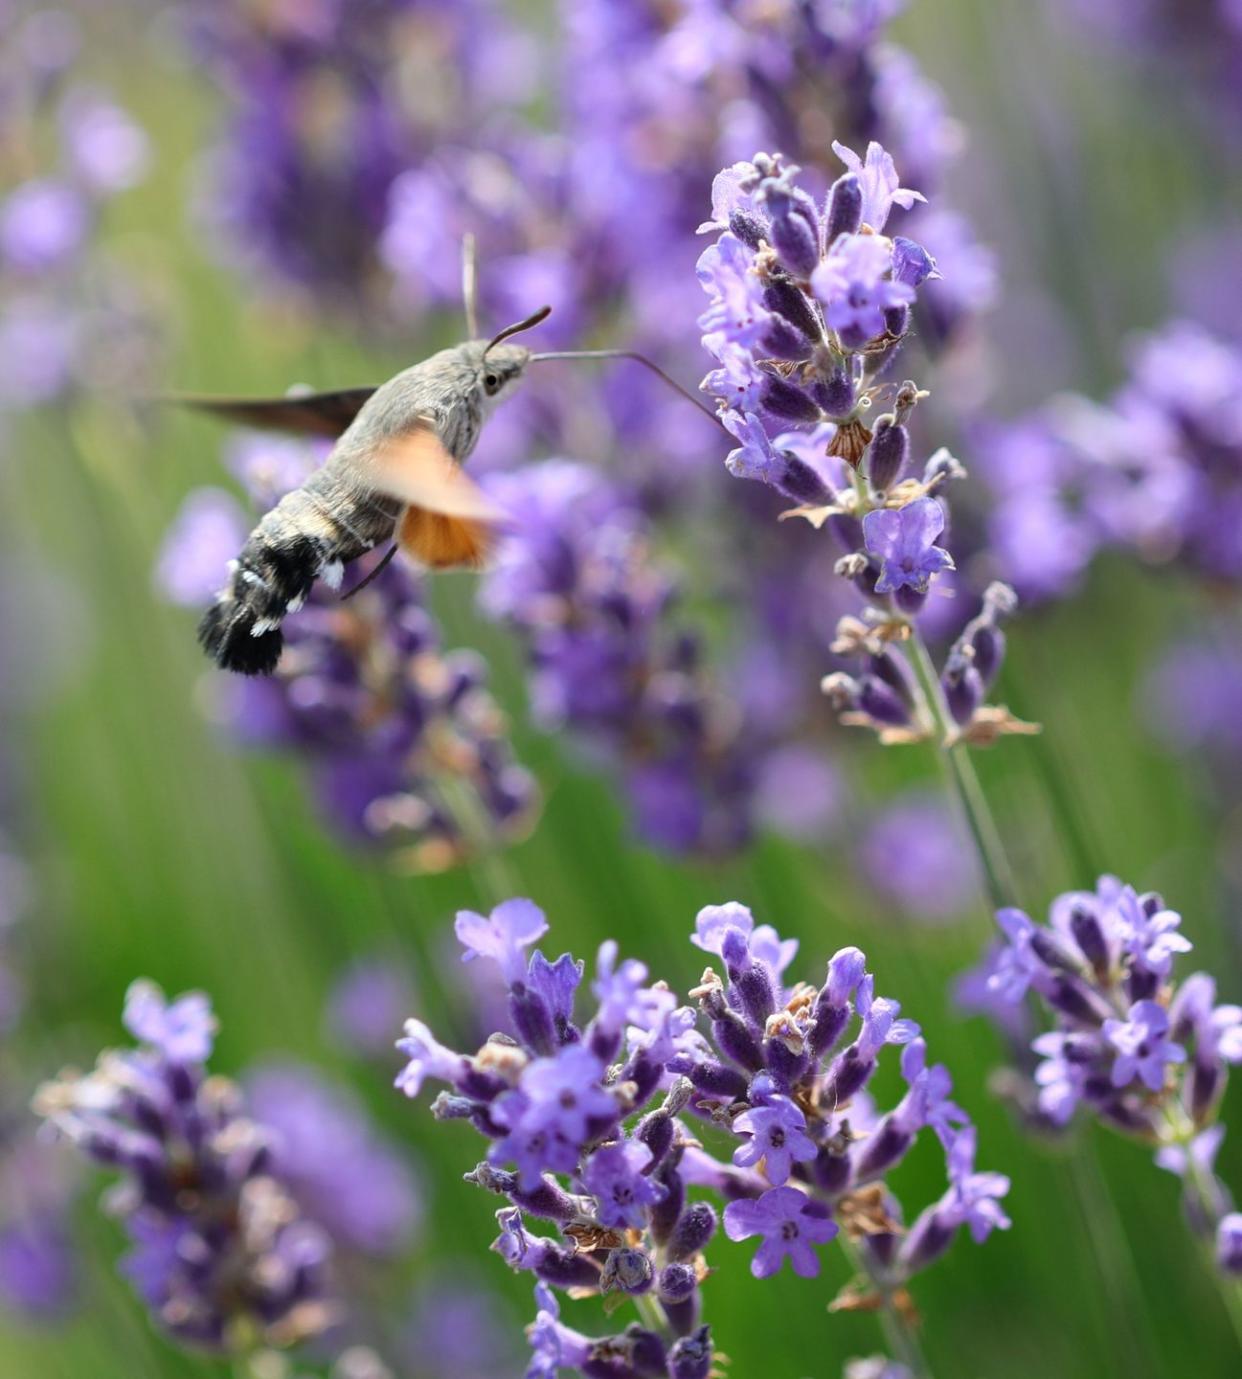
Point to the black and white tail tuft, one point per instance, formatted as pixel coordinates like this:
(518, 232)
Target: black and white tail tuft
(241, 630)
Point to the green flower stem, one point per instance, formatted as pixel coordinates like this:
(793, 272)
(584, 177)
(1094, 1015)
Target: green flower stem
(1180, 1130)
(1108, 1241)
(955, 756)
(495, 878)
(651, 1314)
(899, 1331)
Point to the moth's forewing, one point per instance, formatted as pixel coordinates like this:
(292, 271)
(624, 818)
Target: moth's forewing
(416, 468)
(311, 414)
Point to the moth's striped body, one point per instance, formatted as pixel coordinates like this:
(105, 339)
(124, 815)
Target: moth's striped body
(393, 471)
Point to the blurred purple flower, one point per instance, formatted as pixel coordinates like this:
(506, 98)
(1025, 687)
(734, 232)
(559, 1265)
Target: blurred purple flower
(368, 1001)
(206, 534)
(913, 853)
(43, 224)
(344, 1175)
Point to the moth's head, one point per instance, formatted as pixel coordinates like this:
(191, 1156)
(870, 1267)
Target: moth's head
(500, 364)
(500, 367)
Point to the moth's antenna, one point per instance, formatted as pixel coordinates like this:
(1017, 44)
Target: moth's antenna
(647, 364)
(470, 284)
(541, 315)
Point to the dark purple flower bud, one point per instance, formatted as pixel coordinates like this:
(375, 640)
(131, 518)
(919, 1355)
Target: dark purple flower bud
(963, 688)
(892, 669)
(784, 298)
(831, 1171)
(1229, 1243)
(896, 321)
(645, 1074)
(836, 395)
(749, 228)
(844, 208)
(446, 1106)
(802, 483)
(882, 1149)
(656, 1132)
(1071, 997)
(564, 1268)
(1110, 1107)
(890, 452)
(531, 1018)
(877, 701)
(794, 229)
(736, 1041)
(786, 1066)
(647, 1352)
(1142, 983)
(941, 468)
(695, 1228)
(676, 1283)
(1053, 952)
(667, 1211)
(781, 340)
(989, 647)
(828, 1025)
(787, 401)
(849, 1074)
(710, 1077)
(1088, 934)
(910, 600)
(929, 1237)
(912, 264)
(1206, 1082)
(691, 1357)
(548, 1200)
(683, 1317)
(882, 1247)
(753, 989)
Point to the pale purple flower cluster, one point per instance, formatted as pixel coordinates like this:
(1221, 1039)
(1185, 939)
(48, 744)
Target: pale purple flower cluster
(38, 1266)
(611, 660)
(1146, 1053)
(219, 1250)
(408, 746)
(1192, 697)
(38, 1262)
(69, 317)
(1157, 470)
(807, 305)
(913, 854)
(331, 103)
(590, 1124)
(344, 1175)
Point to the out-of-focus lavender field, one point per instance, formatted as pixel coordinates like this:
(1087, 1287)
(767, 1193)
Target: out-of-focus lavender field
(946, 624)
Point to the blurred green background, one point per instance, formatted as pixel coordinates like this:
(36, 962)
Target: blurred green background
(160, 851)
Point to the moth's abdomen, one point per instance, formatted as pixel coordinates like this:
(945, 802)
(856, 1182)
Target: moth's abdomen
(299, 541)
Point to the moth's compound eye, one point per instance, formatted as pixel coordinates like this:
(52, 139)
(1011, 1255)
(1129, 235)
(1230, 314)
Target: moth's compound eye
(491, 383)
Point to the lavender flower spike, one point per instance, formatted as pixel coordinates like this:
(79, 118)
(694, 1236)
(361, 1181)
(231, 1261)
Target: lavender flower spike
(220, 1252)
(1128, 1043)
(592, 1120)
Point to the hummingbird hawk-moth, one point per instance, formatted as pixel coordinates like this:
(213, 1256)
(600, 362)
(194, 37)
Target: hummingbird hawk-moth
(394, 473)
